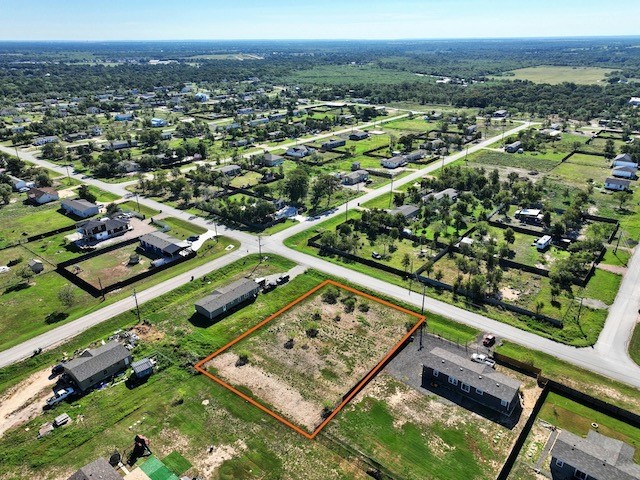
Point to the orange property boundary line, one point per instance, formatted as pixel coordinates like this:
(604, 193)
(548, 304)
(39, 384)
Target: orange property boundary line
(354, 391)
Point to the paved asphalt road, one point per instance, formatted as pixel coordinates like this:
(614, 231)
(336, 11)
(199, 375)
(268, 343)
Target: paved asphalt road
(608, 357)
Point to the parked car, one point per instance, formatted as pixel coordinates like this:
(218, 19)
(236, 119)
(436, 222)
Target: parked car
(57, 369)
(193, 238)
(489, 340)
(60, 395)
(269, 286)
(482, 358)
(283, 279)
(376, 255)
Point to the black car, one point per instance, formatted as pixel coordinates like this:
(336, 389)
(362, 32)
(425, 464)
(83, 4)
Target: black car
(57, 369)
(283, 279)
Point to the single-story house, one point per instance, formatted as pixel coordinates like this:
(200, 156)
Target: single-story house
(227, 297)
(158, 122)
(120, 144)
(596, 457)
(166, 136)
(624, 172)
(160, 243)
(142, 368)
(96, 230)
(433, 145)
(97, 365)
(38, 141)
(231, 170)
(624, 160)
(634, 101)
(355, 177)
(123, 117)
(414, 156)
(240, 143)
(36, 265)
(74, 137)
(476, 381)
(244, 111)
(393, 162)
(42, 195)
(513, 147)
(408, 211)
(616, 184)
(334, 143)
(259, 121)
(277, 116)
(357, 136)
(271, 160)
(451, 193)
(201, 97)
(529, 215)
(97, 470)
(500, 114)
(128, 166)
(471, 130)
(299, 151)
(543, 242)
(80, 207)
(276, 135)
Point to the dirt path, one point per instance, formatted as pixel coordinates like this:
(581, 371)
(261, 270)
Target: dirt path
(612, 268)
(25, 401)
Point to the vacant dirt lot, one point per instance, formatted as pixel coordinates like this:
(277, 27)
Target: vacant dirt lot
(309, 357)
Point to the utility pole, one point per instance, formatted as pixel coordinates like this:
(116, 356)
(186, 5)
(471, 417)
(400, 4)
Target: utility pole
(424, 287)
(68, 176)
(615, 250)
(101, 289)
(260, 248)
(135, 296)
(138, 202)
(466, 155)
(346, 210)
(391, 192)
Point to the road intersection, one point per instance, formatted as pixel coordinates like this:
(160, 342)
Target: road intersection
(609, 356)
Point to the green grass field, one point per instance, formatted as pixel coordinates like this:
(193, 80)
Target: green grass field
(558, 74)
(181, 228)
(28, 307)
(132, 205)
(351, 74)
(20, 220)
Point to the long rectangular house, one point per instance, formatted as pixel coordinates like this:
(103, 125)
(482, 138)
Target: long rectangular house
(227, 297)
(97, 365)
(476, 381)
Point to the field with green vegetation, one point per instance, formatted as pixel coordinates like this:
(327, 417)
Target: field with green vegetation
(132, 205)
(354, 74)
(181, 228)
(20, 220)
(558, 74)
(35, 305)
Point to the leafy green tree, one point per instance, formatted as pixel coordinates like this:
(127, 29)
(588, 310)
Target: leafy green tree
(5, 193)
(84, 193)
(509, 236)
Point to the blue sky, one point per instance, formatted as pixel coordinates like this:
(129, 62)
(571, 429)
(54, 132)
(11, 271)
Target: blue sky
(317, 19)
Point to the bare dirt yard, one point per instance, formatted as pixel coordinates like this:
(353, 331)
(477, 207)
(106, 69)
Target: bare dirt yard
(305, 360)
(25, 401)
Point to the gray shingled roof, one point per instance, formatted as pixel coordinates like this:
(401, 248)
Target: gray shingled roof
(227, 294)
(79, 204)
(476, 375)
(164, 242)
(102, 225)
(93, 361)
(97, 470)
(230, 168)
(617, 181)
(597, 455)
(406, 210)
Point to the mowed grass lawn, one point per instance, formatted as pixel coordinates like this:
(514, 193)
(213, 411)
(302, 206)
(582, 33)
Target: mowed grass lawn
(26, 308)
(558, 74)
(112, 267)
(172, 411)
(132, 205)
(18, 219)
(527, 161)
(181, 228)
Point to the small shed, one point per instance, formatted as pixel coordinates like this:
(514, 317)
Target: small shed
(61, 420)
(36, 265)
(142, 368)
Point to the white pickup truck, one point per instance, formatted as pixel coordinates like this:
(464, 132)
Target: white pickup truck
(60, 395)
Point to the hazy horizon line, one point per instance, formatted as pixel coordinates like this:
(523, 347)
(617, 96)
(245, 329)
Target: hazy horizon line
(397, 39)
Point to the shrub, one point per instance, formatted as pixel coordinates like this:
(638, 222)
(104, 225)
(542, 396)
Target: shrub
(331, 295)
(349, 304)
(363, 307)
